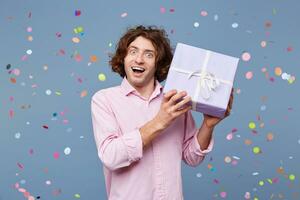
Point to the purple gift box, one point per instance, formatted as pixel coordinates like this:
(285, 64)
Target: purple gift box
(205, 75)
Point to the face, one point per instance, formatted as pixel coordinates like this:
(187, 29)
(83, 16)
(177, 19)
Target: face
(139, 62)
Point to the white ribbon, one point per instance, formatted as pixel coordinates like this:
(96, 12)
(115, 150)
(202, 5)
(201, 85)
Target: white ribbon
(207, 82)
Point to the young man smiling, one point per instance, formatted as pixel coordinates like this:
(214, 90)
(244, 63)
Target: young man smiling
(142, 134)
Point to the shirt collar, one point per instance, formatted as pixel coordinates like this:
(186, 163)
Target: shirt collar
(127, 88)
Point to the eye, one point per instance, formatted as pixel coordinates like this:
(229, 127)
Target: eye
(132, 51)
(149, 55)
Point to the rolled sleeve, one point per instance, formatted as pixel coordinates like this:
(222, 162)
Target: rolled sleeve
(134, 145)
(197, 148)
(115, 149)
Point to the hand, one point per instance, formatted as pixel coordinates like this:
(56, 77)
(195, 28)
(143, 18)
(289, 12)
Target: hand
(211, 121)
(173, 105)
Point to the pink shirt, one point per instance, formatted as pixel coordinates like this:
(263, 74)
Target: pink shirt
(132, 173)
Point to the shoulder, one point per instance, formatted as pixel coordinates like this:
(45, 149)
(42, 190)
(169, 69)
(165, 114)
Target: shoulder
(106, 93)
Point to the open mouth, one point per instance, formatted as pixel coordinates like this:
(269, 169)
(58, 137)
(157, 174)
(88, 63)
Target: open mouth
(137, 69)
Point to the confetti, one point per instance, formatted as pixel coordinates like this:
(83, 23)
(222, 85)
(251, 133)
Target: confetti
(246, 56)
(124, 15)
(55, 155)
(75, 40)
(67, 151)
(278, 71)
(93, 58)
(249, 75)
(162, 10)
(263, 44)
(203, 13)
(48, 92)
(29, 29)
(101, 77)
(29, 51)
(196, 24)
(292, 177)
(77, 13)
(199, 175)
(18, 135)
(77, 196)
(234, 25)
(251, 125)
(223, 194)
(256, 150)
(216, 17)
(83, 93)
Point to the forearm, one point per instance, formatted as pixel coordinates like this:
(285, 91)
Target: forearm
(204, 135)
(150, 131)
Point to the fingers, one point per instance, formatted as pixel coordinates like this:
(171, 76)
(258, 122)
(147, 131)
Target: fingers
(229, 107)
(182, 104)
(177, 98)
(168, 95)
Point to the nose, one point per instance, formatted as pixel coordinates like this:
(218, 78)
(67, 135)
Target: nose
(139, 58)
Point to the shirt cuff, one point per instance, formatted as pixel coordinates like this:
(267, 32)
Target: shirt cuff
(198, 148)
(134, 145)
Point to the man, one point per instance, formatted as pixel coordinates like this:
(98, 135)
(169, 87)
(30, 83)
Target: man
(142, 134)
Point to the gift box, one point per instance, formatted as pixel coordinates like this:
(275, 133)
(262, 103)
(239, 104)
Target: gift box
(205, 75)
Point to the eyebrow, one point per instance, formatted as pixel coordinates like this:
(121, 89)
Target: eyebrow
(146, 50)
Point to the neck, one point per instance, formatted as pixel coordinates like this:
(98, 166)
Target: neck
(147, 90)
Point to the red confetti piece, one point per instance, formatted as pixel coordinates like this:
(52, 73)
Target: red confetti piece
(11, 113)
(289, 49)
(45, 127)
(77, 12)
(20, 165)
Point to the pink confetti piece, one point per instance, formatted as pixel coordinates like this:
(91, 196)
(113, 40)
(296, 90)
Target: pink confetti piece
(24, 57)
(203, 13)
(56, 155)
(58, 34)
(22, 190)
(162, 10)
(78, 57)
(172, 10)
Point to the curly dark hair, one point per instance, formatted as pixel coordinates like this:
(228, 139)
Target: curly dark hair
(160, 41)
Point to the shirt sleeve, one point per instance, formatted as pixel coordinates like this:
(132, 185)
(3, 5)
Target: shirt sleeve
(192, 153)
(115, 149)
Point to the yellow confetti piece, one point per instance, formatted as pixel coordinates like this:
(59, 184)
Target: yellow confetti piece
(252, 125)
(292, 177)
(58, 93)
(270, 180)
(256, 150)
(261, 183)
(101, 77)
(77, 196)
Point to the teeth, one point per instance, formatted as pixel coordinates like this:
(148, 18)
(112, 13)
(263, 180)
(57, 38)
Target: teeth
(138, 68)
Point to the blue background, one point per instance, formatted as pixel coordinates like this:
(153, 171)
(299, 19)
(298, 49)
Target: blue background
(272, 103)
